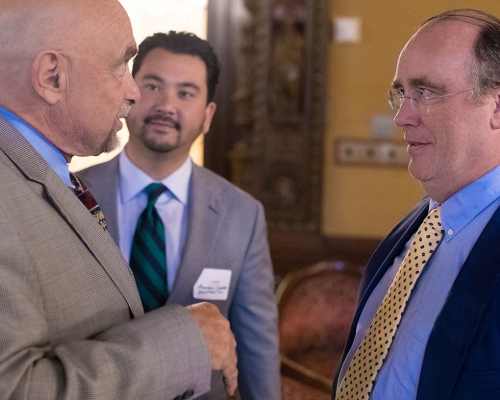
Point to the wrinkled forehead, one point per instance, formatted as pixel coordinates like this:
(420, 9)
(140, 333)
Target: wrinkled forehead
(106, 22)
(441, 53)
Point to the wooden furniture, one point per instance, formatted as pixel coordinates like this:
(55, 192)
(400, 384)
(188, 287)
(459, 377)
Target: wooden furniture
(316, 306)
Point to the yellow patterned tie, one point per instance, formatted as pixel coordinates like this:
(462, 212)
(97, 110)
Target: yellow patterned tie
(367, 361)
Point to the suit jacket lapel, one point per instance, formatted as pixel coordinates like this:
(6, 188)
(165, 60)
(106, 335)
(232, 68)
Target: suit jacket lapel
(389, 249)
(97, 240)
(203, 224)
(381, 260)
(461, 315)
(74, 212)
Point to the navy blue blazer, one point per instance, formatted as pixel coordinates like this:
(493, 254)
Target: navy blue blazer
(462, 358)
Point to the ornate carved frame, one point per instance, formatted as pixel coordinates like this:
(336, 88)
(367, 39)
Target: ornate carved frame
(277, 153)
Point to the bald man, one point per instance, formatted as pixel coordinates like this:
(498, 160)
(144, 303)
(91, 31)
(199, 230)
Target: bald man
(72, 324)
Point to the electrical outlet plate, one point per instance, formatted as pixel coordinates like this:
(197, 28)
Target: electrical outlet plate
(371, 152)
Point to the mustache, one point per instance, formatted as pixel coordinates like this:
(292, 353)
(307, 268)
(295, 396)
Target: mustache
(124, 109)
(164, 118)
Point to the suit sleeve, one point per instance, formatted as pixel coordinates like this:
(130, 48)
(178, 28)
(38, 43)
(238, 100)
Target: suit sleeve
(160, 355)
(253, 317)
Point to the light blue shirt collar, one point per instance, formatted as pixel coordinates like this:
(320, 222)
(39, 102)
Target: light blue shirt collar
(461, 208)
(134, 180)
(50, 153)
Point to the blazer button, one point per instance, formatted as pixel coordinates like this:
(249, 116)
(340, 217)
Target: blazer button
(187, 394)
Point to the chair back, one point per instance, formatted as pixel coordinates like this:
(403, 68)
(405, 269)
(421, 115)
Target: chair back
(316, 306)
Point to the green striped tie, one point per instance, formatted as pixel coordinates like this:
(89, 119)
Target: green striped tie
(148, 258)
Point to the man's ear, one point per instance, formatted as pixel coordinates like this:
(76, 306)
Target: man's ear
(495, 118)
(49, 75)
(209, 113)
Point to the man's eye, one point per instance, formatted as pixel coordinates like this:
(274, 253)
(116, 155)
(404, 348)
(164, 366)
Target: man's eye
(424, 94)
(419, 93)
(184, 94)
(150, 86)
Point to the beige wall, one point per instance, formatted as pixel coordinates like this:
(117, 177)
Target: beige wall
(358, 201)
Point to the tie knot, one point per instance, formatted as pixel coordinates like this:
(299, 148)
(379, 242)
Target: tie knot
(434, 219)
(154, 190)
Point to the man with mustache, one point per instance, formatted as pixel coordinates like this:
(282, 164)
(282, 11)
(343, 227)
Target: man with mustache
(215, 247)
(72, 325)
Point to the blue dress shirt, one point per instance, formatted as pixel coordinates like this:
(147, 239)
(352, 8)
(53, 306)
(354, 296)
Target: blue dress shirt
(464, 216)
(50, 153)
(171, 206)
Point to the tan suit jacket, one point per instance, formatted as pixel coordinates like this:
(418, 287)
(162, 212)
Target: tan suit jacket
(71, 321)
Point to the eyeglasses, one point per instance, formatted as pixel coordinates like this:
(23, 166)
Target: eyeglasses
(420, 102)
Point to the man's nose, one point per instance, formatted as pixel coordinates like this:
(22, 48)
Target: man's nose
(406, 115)
(132, 92)
(166, 101)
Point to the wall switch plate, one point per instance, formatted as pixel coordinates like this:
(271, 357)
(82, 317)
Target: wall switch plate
(347, 29)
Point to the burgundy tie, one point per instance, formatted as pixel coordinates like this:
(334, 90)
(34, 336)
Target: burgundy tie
(87, 199)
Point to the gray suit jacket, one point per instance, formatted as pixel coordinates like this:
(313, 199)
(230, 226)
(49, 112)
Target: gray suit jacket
(71, 320)
(226, 230)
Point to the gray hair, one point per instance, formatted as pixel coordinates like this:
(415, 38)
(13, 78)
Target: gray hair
(484, 73)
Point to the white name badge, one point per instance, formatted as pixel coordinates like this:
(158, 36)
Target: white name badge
(212, 284)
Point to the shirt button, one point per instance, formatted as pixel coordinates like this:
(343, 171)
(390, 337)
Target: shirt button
(450, 231)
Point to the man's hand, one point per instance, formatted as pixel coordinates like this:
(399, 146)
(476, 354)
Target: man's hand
(220, 341)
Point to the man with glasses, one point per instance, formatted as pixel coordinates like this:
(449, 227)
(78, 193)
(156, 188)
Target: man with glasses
(428, 321)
